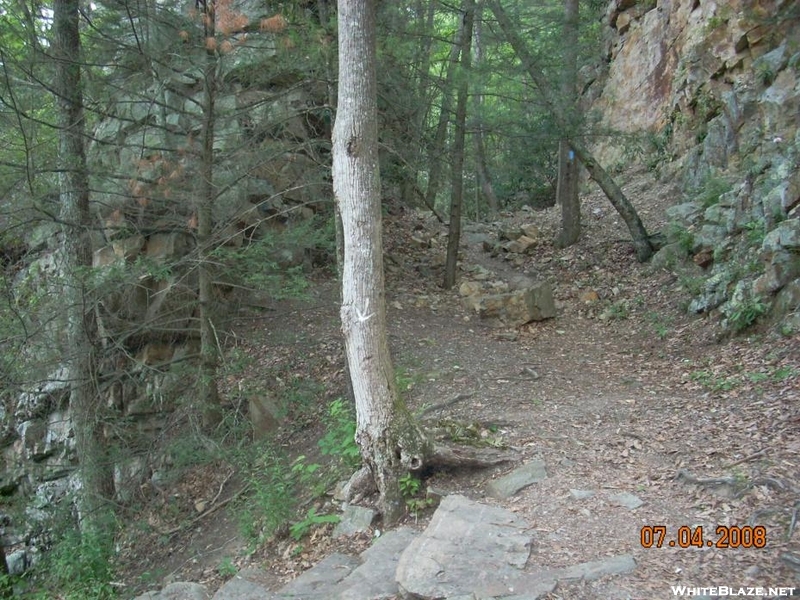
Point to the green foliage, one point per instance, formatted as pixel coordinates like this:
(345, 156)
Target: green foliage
(226, 568)
(410, 488)
(275, 263)
(714, 22)
(682, 236)
(311, 476)
(714, 382)
(660, 324)
(405, 379)
(756, 232)
(747, 312)
(409, 485)
(339, 440)
(764, 73)
(713, 188)
(618, 311)
(658, 147)
(271, 496)
(80, 565)
(299, 529)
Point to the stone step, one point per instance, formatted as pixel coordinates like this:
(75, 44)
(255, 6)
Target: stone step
(469, 551)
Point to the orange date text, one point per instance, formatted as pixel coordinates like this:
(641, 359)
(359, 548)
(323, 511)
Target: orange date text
(725, 536)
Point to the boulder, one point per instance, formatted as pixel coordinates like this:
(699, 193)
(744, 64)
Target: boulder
(515, 308)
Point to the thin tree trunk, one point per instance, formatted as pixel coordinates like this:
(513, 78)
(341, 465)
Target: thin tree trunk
(567, 195)
(389, 439)
(436, 152)
(209, 393)
(481, 167)
(457, 187)
(85, 403)
(641, 241)
(567, 187)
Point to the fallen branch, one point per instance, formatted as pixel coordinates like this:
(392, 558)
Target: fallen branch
(746, 458)
(207, 512)
(445, 404)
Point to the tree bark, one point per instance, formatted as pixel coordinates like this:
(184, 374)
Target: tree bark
(390, 440)
(437, 151)
(208, 396)
(641, 241)
(457, 186)
(567, 195)
(567, 187)
(86, 406)
(481, 167)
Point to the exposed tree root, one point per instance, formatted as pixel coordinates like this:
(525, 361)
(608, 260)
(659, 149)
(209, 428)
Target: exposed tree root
(447, 456)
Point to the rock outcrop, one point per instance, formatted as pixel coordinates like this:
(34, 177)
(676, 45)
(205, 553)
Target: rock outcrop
(712, 90)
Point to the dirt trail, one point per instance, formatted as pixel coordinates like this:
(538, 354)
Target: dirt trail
(621, 394)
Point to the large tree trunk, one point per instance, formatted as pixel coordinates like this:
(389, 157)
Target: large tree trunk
(208, 396)
(457, 186)
(85, 403)
(641, 241)
(390, 441)
(567, 188)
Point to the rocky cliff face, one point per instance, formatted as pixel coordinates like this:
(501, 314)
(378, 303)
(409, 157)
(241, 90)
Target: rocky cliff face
(709, 94)
(271, 133)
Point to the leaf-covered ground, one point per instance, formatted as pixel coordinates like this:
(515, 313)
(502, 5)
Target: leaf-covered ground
(621, 392)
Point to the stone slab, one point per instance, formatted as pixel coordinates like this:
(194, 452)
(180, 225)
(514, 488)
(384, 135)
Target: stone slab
(320, 582)
(589, 571)
(627, 500)
(374, 579)
(465, 547)
(180, 590)
(240, 588)
(516, 480)
(355, 519)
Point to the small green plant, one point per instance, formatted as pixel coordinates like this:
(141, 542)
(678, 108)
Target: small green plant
(681, 236)
(694, 285)
(340, 437)
(712, 190)
(713, 381)
(410, 488)
(271, 499)
(409, 485)
(714, 22)
(301, 528)
(404, 379)
(660, 324)
(765, 74)
(756, 232)
(618, 310)
(226, 568)
(746, 313)
(310, 477)
(783, 373)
